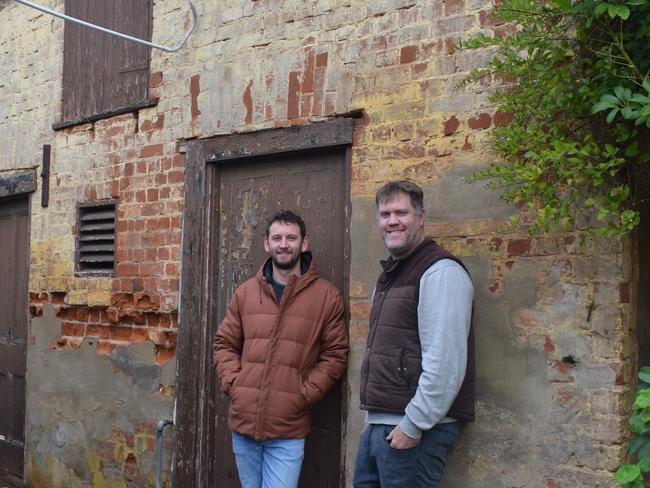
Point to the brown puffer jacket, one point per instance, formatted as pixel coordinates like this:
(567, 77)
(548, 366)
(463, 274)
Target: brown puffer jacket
(276, 360)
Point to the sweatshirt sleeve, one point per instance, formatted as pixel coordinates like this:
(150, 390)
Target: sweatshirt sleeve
(444, 315)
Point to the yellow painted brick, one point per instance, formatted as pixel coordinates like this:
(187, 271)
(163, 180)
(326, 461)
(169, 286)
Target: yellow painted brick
(97, 298)
(358, 289)
(77, 297)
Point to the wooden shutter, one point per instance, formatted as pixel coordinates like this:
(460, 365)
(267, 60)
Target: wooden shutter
(103, 73)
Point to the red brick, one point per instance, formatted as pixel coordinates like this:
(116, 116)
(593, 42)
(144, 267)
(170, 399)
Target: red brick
(152, 195)
(120, 333)
(155, 79)
(175, 176)
(165, 320)
(140, 334)
(152, 318)
(247, 99)
(73, 329)
(144, 301)
(178, 161)
(483, 121)
(624, 292)
(308, 78)
(125, 183)
(358, 331)
(57, 297)
(359, 310)
(98, 331)
(127, 269)
(519, 247)
(408, 54)
(321, 60)
(453, 6)
(195, 89)
(150, 209)
(152, 150)
(121, 300)
(164, 354)
(138, 284)
(563, 366)
(451, 126)
(293, 95)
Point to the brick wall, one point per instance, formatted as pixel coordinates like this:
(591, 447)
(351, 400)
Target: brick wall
(553, 314)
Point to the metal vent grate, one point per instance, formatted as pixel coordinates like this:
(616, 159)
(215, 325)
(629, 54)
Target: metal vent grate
(96, 238)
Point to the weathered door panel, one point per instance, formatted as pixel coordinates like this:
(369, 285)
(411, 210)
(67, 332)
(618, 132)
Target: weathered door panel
(312, 183)
(14, 261)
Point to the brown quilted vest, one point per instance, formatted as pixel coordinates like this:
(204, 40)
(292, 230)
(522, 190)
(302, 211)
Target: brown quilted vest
(392, 364)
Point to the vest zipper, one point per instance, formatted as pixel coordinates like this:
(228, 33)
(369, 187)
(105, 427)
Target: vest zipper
(371, 339)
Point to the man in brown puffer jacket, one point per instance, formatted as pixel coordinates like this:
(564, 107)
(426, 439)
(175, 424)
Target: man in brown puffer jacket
(281, 346)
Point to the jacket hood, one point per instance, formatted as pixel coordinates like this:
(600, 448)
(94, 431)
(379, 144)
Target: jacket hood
(308, 270)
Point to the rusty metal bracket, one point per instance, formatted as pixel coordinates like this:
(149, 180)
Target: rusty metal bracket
(120, 34)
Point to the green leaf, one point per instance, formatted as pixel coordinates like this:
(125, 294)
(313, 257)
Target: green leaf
(644, 464)
(644, 451)
(644, 374)
(636, 2)
(600, 8)
(611, 98)
(620, 92)
(600, 106)
(611, 115)
(627, 473)
(638, 483)
(642, 399)
(623, 12)
(638, 98)
(636, 443)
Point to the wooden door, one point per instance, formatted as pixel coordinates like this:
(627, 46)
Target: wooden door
(311, 183)
(14, 262)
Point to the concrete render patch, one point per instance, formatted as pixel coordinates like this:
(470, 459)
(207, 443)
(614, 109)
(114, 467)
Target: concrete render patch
(453, 198)
(77, 399)
(507, 372)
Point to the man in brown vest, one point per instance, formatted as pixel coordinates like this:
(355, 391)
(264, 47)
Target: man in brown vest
(417, 377)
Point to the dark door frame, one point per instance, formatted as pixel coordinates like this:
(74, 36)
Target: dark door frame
(195, 384)
(17, 186)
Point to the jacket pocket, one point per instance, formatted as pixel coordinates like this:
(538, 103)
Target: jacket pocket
(409, 368)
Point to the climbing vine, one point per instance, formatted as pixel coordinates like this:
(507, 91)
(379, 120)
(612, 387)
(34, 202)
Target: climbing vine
(575, 76)
(632, 475)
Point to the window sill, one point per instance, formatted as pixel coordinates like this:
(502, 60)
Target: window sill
(106, 115)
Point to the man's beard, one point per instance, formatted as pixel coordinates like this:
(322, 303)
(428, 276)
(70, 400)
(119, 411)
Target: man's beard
(285, 265)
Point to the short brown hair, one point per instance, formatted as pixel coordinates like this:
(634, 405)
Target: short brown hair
(414, 192)
(287, 217)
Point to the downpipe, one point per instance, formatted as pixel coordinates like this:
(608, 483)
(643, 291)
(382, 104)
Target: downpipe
(159, 449)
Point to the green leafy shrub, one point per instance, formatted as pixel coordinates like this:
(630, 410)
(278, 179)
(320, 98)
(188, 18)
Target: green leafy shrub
(575, 77)
(632, 475)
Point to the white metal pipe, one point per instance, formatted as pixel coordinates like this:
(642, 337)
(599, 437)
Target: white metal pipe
(119, 34)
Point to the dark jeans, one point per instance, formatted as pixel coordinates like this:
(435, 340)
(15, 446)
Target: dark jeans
(379, 465)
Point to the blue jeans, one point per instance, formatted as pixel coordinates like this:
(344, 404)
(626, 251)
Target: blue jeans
(379, 465)
(274, 463)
